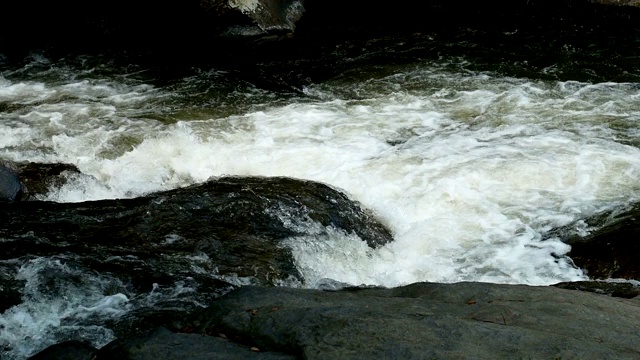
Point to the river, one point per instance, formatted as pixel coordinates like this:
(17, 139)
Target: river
(469, 157)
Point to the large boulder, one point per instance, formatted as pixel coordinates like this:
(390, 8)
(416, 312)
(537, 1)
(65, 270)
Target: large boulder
(168, 253)
(230, 228)
(419, 321)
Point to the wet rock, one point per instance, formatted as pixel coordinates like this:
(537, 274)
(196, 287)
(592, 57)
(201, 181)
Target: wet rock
(270, 15)
(169, 253)
(427, 321)
(41, 178)
(68, 350)
(198, 291)
(611, 249)
(163, 344)
(29, 181)
(10, 187)
(229, 228)
(625, 290)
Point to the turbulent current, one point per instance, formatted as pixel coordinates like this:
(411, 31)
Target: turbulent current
(468, 167)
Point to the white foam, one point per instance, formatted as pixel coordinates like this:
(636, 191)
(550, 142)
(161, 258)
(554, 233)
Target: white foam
(468, 170)
(245, 5)
(56, 298)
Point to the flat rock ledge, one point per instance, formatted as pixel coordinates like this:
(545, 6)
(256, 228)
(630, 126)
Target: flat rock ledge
(417, 321)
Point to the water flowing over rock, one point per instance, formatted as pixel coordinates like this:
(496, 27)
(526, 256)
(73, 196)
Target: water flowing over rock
(145, 268)
(30, 181)
(40, 178)
(228, 227)
(271, 15)
(611, 249)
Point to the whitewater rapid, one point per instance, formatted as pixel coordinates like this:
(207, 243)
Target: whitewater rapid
(468, 169)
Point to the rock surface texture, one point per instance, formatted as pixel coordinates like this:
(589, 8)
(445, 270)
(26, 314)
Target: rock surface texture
(418, 321)
(228, 228)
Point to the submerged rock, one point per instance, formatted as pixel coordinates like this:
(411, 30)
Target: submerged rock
(419, 321)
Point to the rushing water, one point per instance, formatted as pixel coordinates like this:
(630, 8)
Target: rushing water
(469, 167)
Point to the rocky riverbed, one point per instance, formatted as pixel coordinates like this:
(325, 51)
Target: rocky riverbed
(418, 321)
(182, 175)
(156, 237)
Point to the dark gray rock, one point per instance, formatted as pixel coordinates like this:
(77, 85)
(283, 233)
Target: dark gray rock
(68, 350)
(611, 249)
(163, 344)
(41, 178)
(225, 229)
(428, 321)
(10, 187)
(625, 290)
(28, 181)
